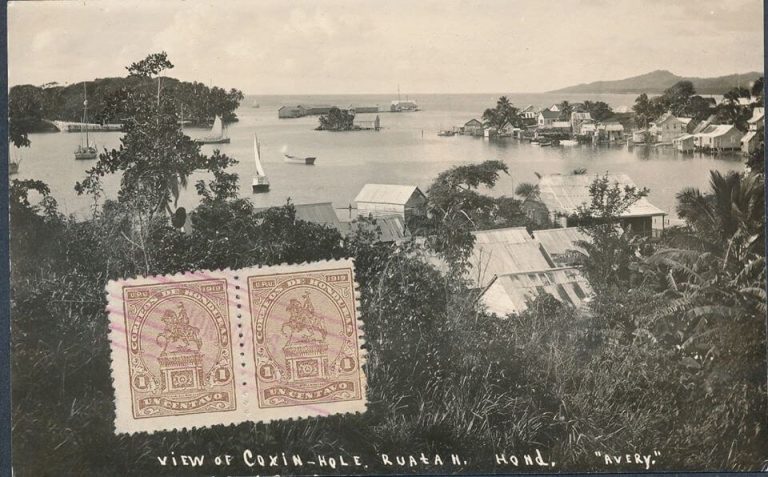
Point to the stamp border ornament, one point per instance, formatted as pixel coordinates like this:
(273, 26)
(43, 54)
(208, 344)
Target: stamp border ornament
(235, 367)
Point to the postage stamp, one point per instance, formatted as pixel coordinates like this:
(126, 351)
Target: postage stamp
(222, 347)
(305, 337)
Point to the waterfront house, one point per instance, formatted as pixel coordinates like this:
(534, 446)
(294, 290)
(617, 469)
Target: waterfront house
(511, 293)
(380, 200)
(473, 127)
(718, 137)
(756, 123)
(361, 108)
(563, 194)
(587, 129)
(366, 122)
(611, 131)
(547, 117)
(502, 251)
(291, 112)
(684, 143)
(529, 114)
(668, 127)
(579, 118)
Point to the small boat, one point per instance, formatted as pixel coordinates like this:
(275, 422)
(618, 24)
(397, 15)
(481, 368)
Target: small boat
(446, 133)
(217, 135)
(260, 181)
(85, 150)
(309, 161)
(569, 142)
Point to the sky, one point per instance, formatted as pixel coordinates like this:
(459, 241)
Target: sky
(366, 46)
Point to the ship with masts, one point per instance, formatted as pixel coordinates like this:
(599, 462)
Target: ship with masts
(85, 150)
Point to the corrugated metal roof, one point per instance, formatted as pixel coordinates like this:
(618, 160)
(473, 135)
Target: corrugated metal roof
(503, 251)
(564, 194)
(548, 114)
(321, 213)
(510, 293)
(391, 228)
(387, 193)
(642, 208)
(716, 130)
(558, 242)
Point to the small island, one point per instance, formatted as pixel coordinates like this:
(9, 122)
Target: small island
(341, 120)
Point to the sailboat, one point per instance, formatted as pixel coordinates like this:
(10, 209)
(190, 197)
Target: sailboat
(217, 134)
(85, 151)
(260, 181)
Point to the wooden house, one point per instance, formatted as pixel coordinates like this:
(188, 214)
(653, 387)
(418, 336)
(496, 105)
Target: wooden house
(473, 127)
(380, 200)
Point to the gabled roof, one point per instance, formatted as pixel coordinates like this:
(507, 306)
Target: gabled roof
(716, 130)
(664, 118)
(547, 114)
(387, 193)
(321, 213)
(527, 109)
(502, 251)
(580, 116)
(558, 242)
(757, 115)
(390, 228)
(473, 122)
(563, 194)
(510, 293)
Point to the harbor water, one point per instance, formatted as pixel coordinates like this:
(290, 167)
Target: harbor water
(407, 150)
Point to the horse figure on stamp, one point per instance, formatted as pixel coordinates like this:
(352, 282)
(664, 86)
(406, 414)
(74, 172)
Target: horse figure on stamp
(177, 329)
(304, 325)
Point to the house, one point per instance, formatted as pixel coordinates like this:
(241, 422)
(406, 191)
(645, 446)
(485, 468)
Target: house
(564, 126)
(667, 128)
(588, 129)
(611, 131)
(511, 293)
(403, 106)
(317, 109)
(684, 143)
(579, 118)
(380, 200)
(546, 117)
(291, 112)
(562, 195)
(389, 228)
(360, 108)
(321, 213)
(473, 127)
(366, 122)
(718, 137)
(529, 113)
(756, 123)
(502, 251)
(560, 244)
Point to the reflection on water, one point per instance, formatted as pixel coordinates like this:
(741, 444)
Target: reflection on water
(406, 151)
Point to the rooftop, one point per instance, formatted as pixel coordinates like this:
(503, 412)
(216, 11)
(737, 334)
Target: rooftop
(503, 251)
(387, 193)
(510, 293)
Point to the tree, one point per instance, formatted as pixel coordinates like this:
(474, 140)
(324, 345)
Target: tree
(336, 120)
(599, 110)
(565, 110)
(677, 97)
(698, 108)
(503, 115)
(150, 66)
(527, 190)
(609, 252)
(25, 112)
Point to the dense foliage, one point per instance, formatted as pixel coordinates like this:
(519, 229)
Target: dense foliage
(336, 120)
(111, 100)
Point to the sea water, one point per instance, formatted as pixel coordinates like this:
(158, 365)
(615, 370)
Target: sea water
(407, 150)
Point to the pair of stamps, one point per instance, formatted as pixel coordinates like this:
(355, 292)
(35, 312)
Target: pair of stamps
(227, 346)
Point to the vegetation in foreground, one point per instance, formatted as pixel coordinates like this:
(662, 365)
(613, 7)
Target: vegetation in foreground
(670, 355)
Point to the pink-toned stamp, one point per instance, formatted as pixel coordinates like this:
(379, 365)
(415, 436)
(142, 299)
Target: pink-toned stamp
(222, 347)
(305, 337)
(179, 348)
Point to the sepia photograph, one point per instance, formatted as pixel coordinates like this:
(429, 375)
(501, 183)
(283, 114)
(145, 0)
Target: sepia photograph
(386, 238)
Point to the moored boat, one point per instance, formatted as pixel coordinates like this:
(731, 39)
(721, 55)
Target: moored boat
(308, 161)
(569, 142)
(260, 181)
(85, 150)
(446, 133)
(216, 136)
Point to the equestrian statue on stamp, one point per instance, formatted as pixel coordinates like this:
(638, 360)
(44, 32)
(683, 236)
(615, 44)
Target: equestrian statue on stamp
(177, 329)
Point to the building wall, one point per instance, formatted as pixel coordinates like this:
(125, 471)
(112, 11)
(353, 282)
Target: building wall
(378, 209)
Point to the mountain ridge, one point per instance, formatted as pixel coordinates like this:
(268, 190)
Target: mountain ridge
(655, 82)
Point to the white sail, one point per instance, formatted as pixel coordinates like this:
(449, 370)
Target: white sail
(217, 130)
(257, 153)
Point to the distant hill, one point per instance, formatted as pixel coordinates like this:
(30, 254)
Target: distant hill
(658, 81)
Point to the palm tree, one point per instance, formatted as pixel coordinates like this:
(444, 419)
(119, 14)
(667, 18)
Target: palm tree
(527, 190)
